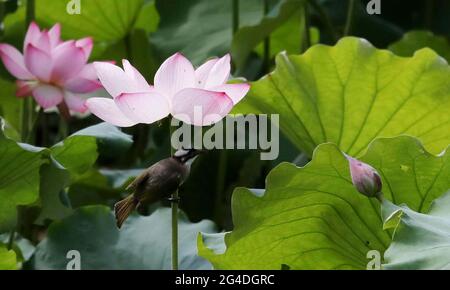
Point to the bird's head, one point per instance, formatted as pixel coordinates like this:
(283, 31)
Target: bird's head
(185, 155)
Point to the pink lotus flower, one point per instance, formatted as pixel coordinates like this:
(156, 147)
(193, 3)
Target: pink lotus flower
(365, 178)
(52, 71)
(198, 97)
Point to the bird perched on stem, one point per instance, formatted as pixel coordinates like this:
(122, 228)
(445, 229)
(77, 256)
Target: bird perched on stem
(155, 183)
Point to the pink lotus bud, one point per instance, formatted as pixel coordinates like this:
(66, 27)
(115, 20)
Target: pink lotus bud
(365, 178)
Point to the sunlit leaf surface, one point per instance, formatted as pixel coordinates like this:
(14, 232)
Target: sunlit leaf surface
(352, 93)
(313, 217)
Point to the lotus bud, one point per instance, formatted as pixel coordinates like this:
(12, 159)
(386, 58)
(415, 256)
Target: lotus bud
(365, 178)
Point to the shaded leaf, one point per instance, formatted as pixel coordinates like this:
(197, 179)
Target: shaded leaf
(10, 106)
(72, 159)
(200, 29)
(416, 40)
(143, 242)
(54, 179)
(19, 178)
(248, 37)
(421, 241)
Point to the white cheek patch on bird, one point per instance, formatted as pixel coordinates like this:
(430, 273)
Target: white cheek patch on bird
(234, 132)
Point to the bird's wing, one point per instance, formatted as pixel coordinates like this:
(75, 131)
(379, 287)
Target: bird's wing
(147, 176)
(139, 180)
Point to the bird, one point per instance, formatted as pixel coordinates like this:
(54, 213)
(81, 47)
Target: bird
(155, 183)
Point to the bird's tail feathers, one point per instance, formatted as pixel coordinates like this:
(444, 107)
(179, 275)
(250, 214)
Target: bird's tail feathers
(124, 208)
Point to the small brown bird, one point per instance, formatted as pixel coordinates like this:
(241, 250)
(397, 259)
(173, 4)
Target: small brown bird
(155, 183)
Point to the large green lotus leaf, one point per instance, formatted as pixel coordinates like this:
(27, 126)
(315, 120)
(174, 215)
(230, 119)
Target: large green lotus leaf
(200, 29)
(19, 178)
(352, 93)
(415, 40)
(142, 243)
(312, 217)
(308, 218)
(8, 260)
(248, 37)
(421, 241)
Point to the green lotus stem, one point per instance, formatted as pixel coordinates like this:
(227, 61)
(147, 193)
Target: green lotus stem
(306, 36)
(380, 197)
(266, 42)
(30, 14)
(175, 230)
(220, 183)
(31, 138)
(2, 13)
(235, 16)
(24, 122)
(429, 11)
(44, 123)
(174, 207)
(27, 106)
(350, 17)
(325, 18)
(63, 129)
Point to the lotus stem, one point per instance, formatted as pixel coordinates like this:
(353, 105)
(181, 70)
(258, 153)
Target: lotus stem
(306, 36)
(380, 197)
(350, 17)
(266, 42)
(27, 106)
(174, 200)
(30, 14)
(2, 14)
(429, 11)
(220, 183)
(235, 16)
(325, 18)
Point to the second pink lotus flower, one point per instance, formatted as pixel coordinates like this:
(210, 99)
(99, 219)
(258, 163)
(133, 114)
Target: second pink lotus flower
(52, 71)
(195, 96)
